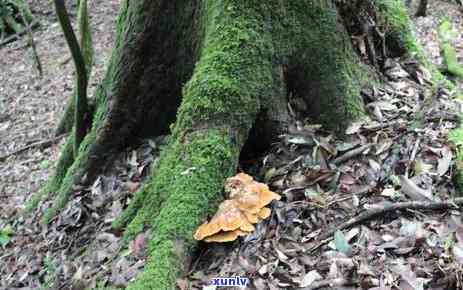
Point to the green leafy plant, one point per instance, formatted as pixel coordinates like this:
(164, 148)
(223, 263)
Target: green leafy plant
(5, 235)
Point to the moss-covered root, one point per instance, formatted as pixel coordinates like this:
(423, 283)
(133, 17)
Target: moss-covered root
(448, 51)
(65, 161)
(67, 121)
(456, 136)
(325, 64)
(203, 162)
(400, 36)
(234, 71)
(93, 151)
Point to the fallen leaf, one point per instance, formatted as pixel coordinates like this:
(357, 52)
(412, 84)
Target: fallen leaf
(443, 164)
(341, 243)
(309, 278)
(410, 189)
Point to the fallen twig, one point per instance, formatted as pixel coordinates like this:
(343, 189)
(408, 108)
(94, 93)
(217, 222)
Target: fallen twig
(350, 154)
(17, 36)
(377, 212)
(338, 282)
(40, 144)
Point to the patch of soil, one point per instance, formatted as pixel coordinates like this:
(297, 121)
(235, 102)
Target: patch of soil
(31, 107)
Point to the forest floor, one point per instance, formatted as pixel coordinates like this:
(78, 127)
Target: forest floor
(405, 135)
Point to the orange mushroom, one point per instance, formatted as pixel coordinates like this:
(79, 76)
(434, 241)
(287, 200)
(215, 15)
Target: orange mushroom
(227, 218)
(236, 216)
(255, 196)
(264, 213)
(236, 184)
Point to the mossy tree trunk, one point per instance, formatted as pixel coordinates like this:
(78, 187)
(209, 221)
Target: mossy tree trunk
(219, 74)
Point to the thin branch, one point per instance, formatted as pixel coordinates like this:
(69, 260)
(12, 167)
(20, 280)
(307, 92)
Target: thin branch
(31, 40)
(350, 154)
(17, 36)
(379, 212)
(337, 282)
(40, 144)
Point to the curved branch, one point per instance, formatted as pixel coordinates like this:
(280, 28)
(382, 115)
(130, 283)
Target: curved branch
(381, 211)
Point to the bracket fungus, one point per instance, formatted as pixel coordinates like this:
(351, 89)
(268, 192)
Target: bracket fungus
(236, 216)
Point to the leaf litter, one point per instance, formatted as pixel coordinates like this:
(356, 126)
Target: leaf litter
(399, 153)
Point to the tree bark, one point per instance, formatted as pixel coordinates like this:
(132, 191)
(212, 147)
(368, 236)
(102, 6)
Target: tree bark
(421, 11)
(222, 72)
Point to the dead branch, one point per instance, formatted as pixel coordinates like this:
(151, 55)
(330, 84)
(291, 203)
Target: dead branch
(40, 144)
(17, 36)
(379, 212)
(338, 282)
(350, 154)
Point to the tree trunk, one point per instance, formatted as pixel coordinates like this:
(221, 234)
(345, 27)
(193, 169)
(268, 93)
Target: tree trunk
(421, 11)
(222, 72)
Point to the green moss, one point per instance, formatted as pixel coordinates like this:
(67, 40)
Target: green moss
(327, 72)
(65, 161)
(72, 177)
(456, 136)
(398, 25)
(235, 69)
(446, 34)
(243, 48)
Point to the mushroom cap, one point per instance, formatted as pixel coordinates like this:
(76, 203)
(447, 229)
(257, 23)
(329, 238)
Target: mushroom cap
(252, 218)
(236, 185)
(240, 178)
(223, 237)
(228, 218)
(205, 230)
(256, 196)
(264, 213)
(236, 216)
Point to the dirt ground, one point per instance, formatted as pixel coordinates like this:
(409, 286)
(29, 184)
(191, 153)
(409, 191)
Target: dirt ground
(31, 107)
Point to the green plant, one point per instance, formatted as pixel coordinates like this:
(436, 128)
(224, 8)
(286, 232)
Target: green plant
(5, 235)
(50, 276)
